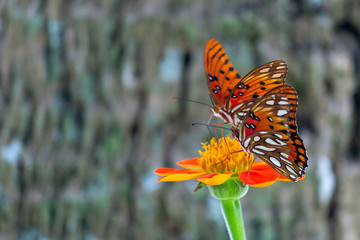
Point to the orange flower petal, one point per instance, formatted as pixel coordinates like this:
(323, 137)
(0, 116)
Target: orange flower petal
(189, 163)
(181, 177)
(262, 166)
(261, 175)
(215, 178)
(171, 171)
(265, 184)
(163, 171)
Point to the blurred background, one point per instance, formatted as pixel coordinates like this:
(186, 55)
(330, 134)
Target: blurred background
(86, 116)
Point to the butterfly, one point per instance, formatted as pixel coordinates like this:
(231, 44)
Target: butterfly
(270, 133)
(260, 108)
(231, 94)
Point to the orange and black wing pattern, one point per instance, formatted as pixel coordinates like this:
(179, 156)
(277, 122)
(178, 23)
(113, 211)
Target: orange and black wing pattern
(297, 149)
(258, 82)
(267, 134)
(228, 90)
(221, 74)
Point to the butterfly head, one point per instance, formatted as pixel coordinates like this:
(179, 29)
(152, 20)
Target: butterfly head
(224, 115)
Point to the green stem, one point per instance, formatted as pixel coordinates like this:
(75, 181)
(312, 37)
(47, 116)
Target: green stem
(231, 210)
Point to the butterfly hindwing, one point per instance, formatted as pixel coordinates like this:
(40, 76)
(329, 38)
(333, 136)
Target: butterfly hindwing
(270, 113)
(298, 152)
(266, 134)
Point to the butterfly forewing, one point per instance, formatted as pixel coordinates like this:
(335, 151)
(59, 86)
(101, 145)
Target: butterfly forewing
(230, 93)
(257, 83)
(221, 74)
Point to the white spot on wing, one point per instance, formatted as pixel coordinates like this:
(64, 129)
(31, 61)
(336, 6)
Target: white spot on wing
(284, 154)
(277, 75)
(264, 148)
(264, 70)
(275, 161)
(281, 112)
(270, 141)
(292, 176)
(280, 67)
(270, 102)
(246, 142)
(283, 102)
(290, 169)
(256, 138)
(278, 135)
(258, 152)
(285, 160)
(280, 142)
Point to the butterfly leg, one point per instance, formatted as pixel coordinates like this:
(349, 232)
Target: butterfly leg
(227, 157)
(215, 124)
(208, 123)
(249, 168)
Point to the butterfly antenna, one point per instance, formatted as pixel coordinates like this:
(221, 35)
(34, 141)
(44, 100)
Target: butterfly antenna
(209, 125)
(188, 100)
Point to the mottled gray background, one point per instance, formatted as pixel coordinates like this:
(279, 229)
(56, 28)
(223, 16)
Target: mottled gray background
(85, 116)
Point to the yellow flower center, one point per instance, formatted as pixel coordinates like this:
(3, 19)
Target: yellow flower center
(224, 155)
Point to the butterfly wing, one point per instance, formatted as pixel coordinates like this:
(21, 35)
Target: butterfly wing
(255, 85)
(230, 93)
(221, 74)
(297, 149)
(266, 134)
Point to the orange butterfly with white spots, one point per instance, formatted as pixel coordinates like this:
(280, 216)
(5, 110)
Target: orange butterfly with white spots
(260, 108)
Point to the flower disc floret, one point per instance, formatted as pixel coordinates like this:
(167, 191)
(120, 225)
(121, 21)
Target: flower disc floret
(223, 156)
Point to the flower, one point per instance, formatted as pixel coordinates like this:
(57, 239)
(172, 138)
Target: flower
(221, 160)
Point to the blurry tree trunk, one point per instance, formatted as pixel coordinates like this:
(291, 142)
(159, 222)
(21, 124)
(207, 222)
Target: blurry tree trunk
(175, 125)
(136, 132)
